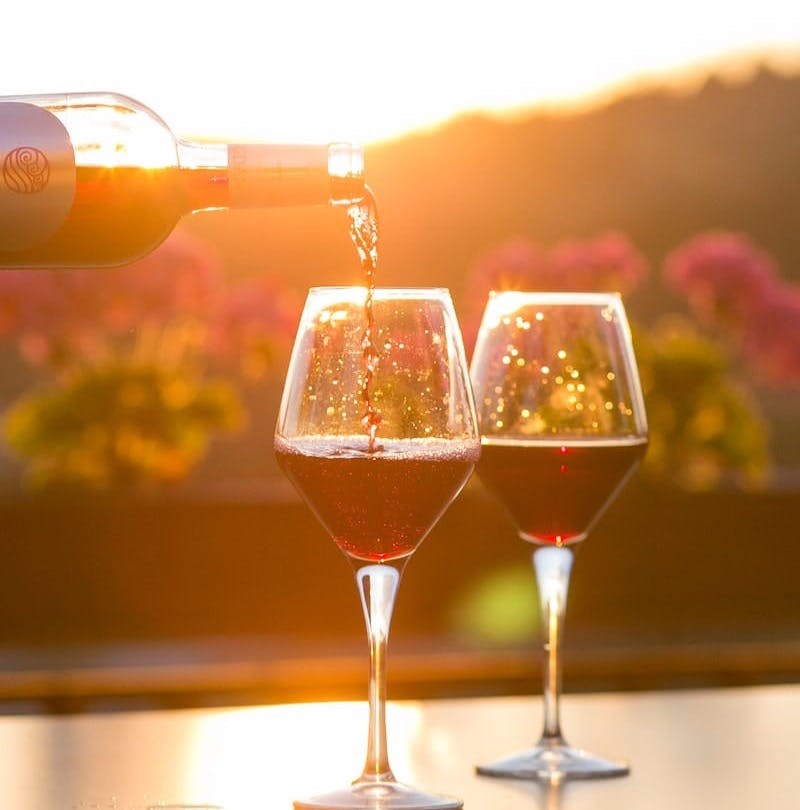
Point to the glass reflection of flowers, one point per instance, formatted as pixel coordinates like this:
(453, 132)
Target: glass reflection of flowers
(740, 320)
(133, 370)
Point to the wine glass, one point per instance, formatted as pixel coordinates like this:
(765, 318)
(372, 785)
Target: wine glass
(377, 431)
(563, 428)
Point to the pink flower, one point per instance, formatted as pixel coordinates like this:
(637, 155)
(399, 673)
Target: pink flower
(607, 263)
(518, 264)
(512, 265)
(733, 284)
(256, 315)
(60, 315)
(724, 275)
(12, 301)
(772, 343)
(180, 278)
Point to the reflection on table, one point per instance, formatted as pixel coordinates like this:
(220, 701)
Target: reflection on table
(695, 749)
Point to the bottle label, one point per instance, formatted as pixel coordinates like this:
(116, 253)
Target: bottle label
(37, 175)
(266, 174)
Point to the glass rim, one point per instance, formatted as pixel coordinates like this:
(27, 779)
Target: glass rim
(398, 292)
(563, 297)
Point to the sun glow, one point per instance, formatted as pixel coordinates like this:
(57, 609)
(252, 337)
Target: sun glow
(313, 71)
(234, 749)
(439, 60)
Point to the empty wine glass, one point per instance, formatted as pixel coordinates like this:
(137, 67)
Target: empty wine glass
(563, 428)
(377, 431)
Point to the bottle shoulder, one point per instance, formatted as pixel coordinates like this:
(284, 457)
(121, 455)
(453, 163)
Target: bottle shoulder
(95, 98)
(109, 129)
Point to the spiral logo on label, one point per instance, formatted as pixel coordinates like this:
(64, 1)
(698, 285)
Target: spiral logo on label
(26, 170)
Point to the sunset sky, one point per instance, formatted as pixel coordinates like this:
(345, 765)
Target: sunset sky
(364, 70)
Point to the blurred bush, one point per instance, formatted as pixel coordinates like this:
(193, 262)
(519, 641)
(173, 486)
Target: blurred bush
(137, 368)
(738, 327)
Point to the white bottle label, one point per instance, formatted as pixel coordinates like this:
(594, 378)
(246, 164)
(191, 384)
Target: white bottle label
(268, 174)
(37, 175)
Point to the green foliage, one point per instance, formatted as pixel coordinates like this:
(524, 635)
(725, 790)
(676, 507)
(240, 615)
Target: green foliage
(140, 366)
(705, 428)
(120, 425)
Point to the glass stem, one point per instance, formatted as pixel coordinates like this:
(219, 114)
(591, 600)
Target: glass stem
(552, 565)
(377, 586)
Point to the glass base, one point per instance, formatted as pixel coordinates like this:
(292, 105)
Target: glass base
(378, 796)
(552, 763)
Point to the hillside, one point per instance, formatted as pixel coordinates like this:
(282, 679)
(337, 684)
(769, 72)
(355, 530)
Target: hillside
(657, 166)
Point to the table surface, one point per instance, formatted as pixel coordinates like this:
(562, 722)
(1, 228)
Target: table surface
(731, 748)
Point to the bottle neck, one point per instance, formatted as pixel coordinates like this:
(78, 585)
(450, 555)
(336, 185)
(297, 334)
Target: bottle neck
(202, 155)
(267, 175)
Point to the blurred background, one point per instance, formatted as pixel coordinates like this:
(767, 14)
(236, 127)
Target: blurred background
(151, 550)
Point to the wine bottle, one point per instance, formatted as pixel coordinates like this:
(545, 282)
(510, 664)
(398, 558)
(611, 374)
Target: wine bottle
(98, 179)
